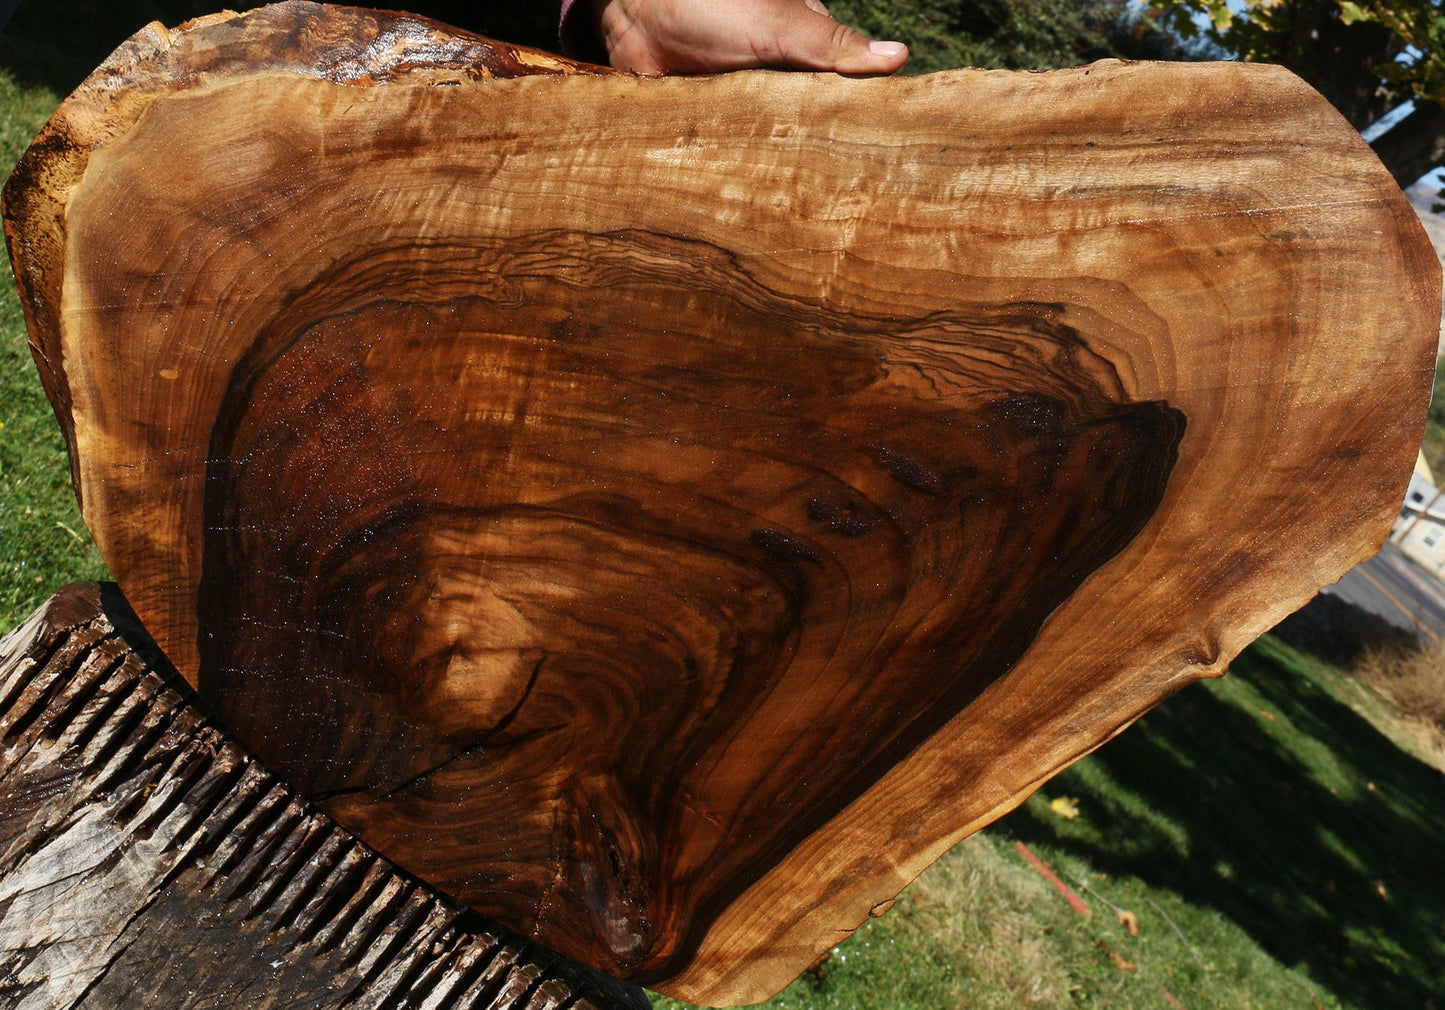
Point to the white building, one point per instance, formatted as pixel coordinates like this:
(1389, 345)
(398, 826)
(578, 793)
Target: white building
(1420, 529)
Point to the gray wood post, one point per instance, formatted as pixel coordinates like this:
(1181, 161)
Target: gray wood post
(146, 860)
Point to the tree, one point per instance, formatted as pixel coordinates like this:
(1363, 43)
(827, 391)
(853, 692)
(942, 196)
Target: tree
(1367, 58)
(1011, 34)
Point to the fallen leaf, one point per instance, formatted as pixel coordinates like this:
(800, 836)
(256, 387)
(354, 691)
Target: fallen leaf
(1114, 956)
(1066, 807)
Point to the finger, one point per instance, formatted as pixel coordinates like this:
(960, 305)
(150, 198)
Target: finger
(803, 39)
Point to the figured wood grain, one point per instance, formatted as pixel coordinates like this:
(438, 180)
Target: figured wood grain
(147, 860)
(666, 513)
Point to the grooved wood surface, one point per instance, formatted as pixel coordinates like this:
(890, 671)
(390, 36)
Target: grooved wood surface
(147, 861)
(666, 513)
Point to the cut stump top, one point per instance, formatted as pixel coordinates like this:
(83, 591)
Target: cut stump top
(666, 514)
(146, 860)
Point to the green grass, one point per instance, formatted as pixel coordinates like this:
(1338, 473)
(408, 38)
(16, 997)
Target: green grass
(43, 543)
(980, 929)
(1434, 441)
(1265, 818)
(1268, 799)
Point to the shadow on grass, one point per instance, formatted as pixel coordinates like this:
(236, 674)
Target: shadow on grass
(1305, 826)
(1339, 632)
(56, 45)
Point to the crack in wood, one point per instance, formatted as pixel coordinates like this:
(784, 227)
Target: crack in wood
(105, 895)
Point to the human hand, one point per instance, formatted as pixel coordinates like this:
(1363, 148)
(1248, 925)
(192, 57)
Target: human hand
(699, 36)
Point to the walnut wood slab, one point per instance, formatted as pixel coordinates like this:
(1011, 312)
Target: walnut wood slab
(665, 514)
(146, 860)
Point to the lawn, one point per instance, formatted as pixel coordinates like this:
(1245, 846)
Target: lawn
(1275, 848)
(1267, 834)
(43, 544)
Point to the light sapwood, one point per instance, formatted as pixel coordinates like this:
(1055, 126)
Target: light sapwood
(666, 514)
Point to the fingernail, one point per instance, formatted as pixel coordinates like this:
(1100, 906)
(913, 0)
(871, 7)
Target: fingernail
(887, 48)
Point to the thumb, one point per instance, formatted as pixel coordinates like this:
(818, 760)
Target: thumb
(805, 37)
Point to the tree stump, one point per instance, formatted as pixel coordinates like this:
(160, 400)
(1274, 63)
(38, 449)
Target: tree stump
(665, 514)
(146, 860)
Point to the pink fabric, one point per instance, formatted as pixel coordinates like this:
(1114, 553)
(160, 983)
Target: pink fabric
(577, 34)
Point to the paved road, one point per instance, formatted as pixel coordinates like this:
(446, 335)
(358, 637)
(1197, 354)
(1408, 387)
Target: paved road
(1396, 589)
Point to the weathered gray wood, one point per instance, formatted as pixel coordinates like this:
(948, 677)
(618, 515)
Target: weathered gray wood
(146, 860)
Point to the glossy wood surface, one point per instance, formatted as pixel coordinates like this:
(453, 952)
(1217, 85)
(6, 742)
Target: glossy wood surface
(666, 513)
(147, 860)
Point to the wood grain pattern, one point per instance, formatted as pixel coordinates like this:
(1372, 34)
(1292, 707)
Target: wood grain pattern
(666, 513)
(146, 860)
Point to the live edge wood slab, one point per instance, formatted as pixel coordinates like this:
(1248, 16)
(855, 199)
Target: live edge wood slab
(665, 514)
(147, 860)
